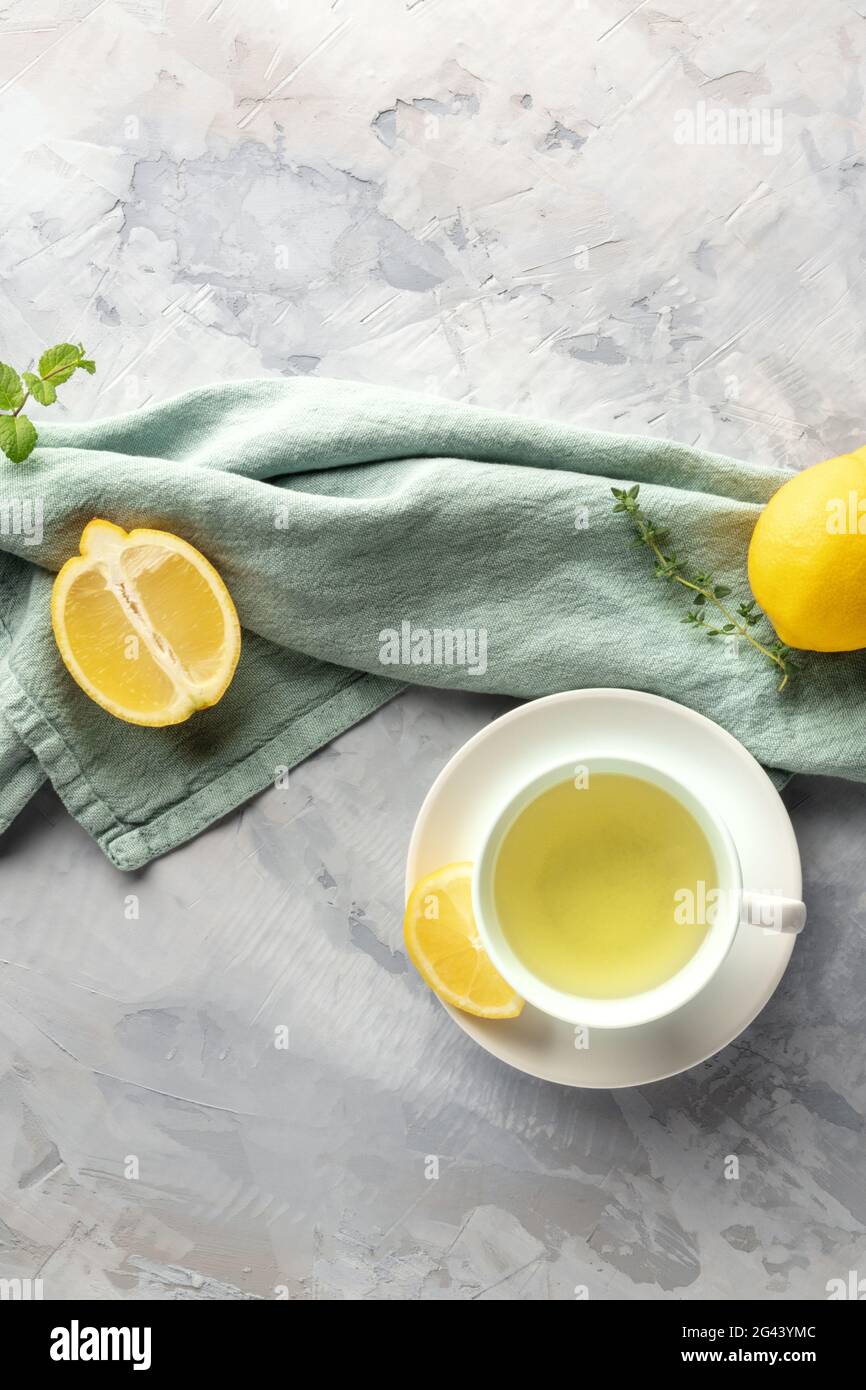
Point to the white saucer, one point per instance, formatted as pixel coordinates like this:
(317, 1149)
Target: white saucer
(493, 764)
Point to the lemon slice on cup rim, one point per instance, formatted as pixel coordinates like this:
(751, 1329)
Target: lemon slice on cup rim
(443, 944)
(145, 625)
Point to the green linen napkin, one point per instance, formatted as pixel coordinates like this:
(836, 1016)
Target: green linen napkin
(370, 538)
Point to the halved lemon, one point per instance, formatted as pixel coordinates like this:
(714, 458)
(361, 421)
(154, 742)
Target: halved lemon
(145, 625)
(444, 946)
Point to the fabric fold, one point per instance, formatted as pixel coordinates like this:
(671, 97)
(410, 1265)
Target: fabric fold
(372, 538)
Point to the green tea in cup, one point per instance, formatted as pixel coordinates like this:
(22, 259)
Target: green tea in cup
(590, 880)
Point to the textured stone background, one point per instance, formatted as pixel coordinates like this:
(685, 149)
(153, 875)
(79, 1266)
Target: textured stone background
(487, 202)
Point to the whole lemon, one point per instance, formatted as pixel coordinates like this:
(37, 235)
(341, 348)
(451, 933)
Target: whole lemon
(807, 557)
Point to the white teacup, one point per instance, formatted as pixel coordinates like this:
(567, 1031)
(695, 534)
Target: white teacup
(733, 907)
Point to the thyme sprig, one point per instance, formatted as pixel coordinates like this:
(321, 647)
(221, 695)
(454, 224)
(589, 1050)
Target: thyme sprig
(704, 593)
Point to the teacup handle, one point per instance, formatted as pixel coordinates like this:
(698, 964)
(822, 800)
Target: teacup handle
(773, 913)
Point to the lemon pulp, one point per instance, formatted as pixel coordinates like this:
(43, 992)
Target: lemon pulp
(444, 946)
(145, 625)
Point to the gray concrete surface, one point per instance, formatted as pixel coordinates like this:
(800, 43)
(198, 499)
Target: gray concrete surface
(523, 206)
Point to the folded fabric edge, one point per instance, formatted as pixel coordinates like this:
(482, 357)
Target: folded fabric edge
(779, 777)
(20, 773)
(132, 847)
(20, 785)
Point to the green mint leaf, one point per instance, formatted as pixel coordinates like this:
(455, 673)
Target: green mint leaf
(41, 391)
(60, 362)
(88, 364)
(17, 437)
(11, 390)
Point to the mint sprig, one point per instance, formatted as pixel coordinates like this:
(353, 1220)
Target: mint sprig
(17, 432)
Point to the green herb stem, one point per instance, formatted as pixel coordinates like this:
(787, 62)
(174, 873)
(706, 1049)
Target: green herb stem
(47, 377)
(18, 435)
(705, 591)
